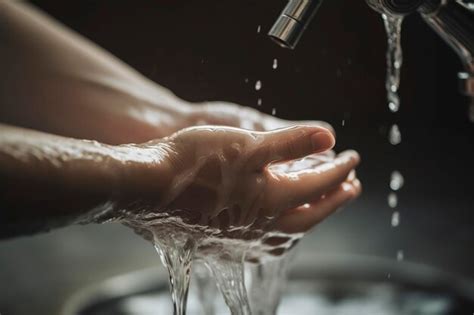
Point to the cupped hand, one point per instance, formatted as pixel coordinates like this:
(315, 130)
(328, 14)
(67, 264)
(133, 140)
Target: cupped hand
(228, 178)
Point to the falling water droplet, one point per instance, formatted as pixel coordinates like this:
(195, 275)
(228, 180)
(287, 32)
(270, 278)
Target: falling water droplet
(396, 219)
(343, 122)
(400, 255)
(259, 28)
(258, 85)
(394, 105)
(396, 180)
(394, 136)
(259, 102)
(275, 64)
(274, 111)
(392, 200)
(246, 80)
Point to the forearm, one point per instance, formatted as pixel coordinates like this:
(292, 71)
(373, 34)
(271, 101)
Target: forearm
(48, 181)
(59, 82)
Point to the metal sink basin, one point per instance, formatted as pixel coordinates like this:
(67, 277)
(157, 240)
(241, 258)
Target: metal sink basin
(346, 285)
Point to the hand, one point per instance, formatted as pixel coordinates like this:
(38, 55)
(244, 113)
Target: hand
(227, 177)
(233, 115)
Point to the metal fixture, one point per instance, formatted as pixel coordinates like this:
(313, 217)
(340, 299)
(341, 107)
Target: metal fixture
(453, 20)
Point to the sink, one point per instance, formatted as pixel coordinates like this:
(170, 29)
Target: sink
(340, 285)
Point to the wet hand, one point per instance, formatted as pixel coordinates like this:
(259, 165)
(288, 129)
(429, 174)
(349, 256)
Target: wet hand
(233, 115)
(227, 177)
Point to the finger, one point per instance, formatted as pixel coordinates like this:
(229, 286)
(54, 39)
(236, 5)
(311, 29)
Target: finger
(303, 218)
(296, 188)
(291, 143)
(271, 123)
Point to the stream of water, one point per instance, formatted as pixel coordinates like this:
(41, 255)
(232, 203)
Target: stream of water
(224, 252)
(393, 28)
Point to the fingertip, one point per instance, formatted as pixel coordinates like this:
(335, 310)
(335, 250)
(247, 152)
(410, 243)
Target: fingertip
(352, 155)
(358, 186)
(322, 140)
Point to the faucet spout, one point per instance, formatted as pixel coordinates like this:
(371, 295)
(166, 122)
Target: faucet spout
(453, 20)
(292, 22)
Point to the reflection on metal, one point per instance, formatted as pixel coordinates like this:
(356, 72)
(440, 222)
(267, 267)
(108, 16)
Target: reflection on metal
(453, 20)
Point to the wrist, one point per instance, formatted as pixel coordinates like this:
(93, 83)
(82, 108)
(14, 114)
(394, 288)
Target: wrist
(143, 171)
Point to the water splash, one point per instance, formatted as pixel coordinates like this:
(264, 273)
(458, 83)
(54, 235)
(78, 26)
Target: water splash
(393, 27)
(258, 85)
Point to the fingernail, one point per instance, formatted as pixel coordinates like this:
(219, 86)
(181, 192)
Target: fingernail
(322, 141)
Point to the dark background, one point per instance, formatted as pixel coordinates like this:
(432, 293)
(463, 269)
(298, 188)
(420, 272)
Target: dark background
(204, 50)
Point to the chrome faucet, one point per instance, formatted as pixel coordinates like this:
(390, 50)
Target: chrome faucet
(453, 20)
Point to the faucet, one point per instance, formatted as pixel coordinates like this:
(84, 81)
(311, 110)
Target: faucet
(453, 20)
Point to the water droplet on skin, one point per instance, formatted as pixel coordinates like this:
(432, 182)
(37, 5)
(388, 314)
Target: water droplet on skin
(274, 111)
(395, 219)
(392, 200)
(259, 29)
(396, 180)
(400, 255)
(275, 64)
(259, 102)
(394, 136)
(258, 85)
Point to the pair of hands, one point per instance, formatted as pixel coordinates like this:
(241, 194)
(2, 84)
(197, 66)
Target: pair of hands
(226, 176)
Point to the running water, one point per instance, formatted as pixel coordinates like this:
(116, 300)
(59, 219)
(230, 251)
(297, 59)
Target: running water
(178, 262)
(223, 247)
(393, 27)
(268, 283)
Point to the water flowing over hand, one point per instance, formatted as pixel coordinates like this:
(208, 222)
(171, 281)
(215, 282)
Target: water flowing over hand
(228, 178)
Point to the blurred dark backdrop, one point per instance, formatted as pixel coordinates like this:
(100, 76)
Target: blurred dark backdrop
(208, 50)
